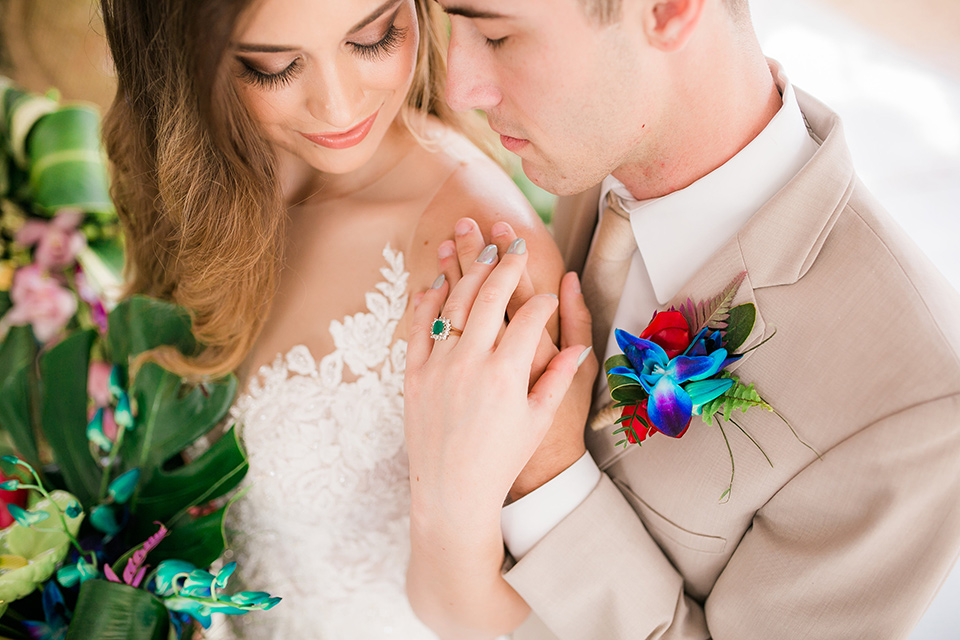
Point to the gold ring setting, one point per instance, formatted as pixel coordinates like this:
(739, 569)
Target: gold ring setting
(442, 328)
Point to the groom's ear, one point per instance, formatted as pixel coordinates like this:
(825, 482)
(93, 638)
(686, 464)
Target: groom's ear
(669, 24)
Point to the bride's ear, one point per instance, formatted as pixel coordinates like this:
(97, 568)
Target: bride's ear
(668, 24)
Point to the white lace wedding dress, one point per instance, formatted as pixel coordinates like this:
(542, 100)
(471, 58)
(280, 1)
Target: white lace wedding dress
(324, 522)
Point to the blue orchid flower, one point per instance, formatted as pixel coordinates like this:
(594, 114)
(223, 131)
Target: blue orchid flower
(675, 386)
(55, 613)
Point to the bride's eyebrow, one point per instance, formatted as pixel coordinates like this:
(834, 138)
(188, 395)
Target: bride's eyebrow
(379, 11)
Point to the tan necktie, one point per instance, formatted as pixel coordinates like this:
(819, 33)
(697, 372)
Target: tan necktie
(605, 271)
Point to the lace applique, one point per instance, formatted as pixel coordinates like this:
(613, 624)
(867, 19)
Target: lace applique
(325, 520)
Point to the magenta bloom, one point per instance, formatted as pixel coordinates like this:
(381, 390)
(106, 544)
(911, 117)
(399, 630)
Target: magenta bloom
(57, 242)
(41, 301)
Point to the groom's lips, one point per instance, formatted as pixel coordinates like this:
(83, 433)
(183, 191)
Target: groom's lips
(513, 145)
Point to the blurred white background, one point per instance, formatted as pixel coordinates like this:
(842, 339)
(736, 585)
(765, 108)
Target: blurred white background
(891, 69)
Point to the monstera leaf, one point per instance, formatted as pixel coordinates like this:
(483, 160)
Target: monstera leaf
(17, 354)
(171, 416)
(113, 611)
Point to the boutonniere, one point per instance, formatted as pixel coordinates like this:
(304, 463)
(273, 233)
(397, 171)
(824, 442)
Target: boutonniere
(676, 369)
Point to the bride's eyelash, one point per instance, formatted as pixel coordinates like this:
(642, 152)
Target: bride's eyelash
(269, 80)
(387, 45)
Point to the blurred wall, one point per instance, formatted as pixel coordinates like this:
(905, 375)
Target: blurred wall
(56, 43)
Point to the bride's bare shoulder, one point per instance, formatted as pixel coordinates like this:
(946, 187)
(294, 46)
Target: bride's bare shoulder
(479, 188)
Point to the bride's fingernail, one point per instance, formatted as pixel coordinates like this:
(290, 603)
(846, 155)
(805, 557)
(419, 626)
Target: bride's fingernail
(583, 356)
(488, 255)
(463, 227)
(518, 247)
(438, 282)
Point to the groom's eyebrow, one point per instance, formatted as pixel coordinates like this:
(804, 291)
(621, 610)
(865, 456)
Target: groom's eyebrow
(469, 12)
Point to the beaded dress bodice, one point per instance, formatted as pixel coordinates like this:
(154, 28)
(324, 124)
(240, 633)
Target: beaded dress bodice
(325, 520)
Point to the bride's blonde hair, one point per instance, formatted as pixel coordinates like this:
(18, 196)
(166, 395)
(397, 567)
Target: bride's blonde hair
(195, 182)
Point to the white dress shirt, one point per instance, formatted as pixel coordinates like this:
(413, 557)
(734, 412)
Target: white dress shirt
(676, 235)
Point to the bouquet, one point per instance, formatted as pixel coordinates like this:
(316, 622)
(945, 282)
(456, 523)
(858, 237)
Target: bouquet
(105, 528)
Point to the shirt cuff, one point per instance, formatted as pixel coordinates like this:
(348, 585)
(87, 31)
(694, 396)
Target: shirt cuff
(525, 522)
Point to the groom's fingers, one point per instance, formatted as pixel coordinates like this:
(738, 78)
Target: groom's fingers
(419, 342)
(503, 235)
(550, 389)
(469, 241)
(575, 320)
(447, 263)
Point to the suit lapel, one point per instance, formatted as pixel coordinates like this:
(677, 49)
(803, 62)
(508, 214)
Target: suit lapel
(776, 247)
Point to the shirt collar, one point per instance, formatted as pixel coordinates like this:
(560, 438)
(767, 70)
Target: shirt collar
(679, 232)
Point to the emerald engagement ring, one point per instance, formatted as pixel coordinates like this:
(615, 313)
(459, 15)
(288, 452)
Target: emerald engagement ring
(442, 328)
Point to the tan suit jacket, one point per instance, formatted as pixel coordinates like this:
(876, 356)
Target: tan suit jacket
(865, 365)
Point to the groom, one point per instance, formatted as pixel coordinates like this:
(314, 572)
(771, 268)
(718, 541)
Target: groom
(718, 165)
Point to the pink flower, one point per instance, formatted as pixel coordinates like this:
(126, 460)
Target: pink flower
(58, 241)
(98, 382)
(39, 300)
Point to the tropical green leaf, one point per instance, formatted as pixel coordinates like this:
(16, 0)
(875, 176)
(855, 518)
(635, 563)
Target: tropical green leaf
(5, 302)
(67, 167)
(617, 360)
(631, 393)
(739, 325)
(199, 542)
(213, 474)
(140, 323)
(17, 354)
(711, 313)
(63, 371)
(738, 397)
(112, 611)
(171, 415)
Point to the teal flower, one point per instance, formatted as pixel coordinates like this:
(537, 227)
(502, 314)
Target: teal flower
(95, 432)
(27, 518)
(123, 415)
(197, 593)
(122, 488)
(73, 574)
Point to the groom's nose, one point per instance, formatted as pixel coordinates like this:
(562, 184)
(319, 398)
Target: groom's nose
(470, 75)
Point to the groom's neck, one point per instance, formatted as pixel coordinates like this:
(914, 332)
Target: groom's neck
(719, 96)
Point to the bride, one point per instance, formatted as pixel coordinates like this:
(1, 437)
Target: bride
(288, 171)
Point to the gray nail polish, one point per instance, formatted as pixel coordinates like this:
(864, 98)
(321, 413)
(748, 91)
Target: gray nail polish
(583, 356)
(488, 255)
(518, 247)
(438, 282)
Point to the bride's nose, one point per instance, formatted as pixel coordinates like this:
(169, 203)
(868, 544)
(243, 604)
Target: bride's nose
(334, 97)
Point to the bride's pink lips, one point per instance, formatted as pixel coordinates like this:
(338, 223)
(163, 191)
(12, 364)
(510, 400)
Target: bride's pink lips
(344, 140)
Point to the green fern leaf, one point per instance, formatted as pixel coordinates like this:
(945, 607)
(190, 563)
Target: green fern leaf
(738, 397)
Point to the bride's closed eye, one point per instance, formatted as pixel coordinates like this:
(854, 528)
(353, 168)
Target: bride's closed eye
(383, 47)
(388, 44)
(254, 76)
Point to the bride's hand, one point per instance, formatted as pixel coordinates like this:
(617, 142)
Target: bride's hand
(471, 423)
(563, 444)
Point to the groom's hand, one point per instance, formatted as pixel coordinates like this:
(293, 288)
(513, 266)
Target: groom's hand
(563, 445)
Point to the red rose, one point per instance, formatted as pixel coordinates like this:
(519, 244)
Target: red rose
(17, 497)
(641, 423)
(669, 330)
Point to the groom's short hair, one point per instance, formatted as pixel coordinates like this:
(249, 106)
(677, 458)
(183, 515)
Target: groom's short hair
(608, 11)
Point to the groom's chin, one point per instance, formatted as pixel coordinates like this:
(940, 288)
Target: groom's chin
(557, 181)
